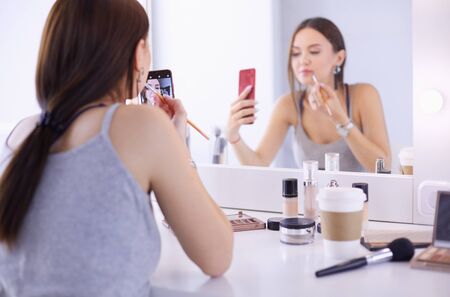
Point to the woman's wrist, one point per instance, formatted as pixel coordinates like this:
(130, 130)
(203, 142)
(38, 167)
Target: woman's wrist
(234, 141)
(342, 120)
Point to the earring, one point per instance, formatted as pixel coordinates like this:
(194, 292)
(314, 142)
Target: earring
(337, 69)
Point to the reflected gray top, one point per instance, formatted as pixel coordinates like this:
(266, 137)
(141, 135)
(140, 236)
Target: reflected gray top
(305, 149)
(90, 230)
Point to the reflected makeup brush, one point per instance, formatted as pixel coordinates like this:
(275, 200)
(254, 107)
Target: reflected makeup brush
(164, 101)
(316, 81)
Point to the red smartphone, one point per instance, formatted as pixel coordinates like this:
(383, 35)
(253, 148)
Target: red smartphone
(247, 77)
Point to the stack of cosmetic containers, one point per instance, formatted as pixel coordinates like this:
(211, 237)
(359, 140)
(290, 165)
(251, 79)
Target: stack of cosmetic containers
(300, 230)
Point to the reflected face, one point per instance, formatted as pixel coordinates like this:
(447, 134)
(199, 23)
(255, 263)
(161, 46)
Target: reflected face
(154, 83)
(312, 53)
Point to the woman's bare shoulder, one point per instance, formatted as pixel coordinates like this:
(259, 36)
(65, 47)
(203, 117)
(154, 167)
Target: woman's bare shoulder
(286, 107)
(366, 102)
(286, 99)
(364, 90)
(139, 121)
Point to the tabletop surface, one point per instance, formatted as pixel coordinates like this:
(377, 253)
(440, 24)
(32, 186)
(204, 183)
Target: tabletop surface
(262, 266)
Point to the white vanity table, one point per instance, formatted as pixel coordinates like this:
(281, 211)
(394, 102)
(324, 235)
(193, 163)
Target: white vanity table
(262, 266)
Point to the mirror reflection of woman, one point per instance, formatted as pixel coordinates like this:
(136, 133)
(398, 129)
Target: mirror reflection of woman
(150, 97)
(327, 114)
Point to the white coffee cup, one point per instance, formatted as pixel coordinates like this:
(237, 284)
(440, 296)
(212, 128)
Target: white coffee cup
(341, 213)
(406, 157)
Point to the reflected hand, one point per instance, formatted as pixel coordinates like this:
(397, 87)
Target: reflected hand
(325, 99)
(242, 112)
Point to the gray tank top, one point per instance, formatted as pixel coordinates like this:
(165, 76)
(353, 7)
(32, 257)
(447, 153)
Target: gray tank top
(305, 149)
(90, 230)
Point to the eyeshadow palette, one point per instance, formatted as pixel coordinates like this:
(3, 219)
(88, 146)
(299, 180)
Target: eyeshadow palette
(243, 222)
(436, 255)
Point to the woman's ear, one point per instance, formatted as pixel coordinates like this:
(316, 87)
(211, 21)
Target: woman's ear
(340, 57)
(141, 55)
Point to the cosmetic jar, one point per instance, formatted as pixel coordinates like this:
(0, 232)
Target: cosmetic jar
(274, 223)
(297, 230)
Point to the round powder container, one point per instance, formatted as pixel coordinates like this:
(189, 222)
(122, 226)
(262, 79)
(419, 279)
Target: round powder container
(297, 230)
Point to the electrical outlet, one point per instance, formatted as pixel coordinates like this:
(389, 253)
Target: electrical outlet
(426, 202)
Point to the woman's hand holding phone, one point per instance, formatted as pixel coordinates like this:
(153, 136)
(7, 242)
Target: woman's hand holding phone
(242, 112)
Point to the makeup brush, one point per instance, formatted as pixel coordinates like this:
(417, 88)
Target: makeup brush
(316, 81)
(164, 101)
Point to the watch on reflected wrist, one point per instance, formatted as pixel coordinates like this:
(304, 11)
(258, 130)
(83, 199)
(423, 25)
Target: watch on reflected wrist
(344, 129)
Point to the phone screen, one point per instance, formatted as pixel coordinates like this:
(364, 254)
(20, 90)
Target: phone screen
(442, 222)
(247, 77)
(160, 81)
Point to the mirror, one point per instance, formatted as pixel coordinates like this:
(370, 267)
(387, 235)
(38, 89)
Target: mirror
(206, 43)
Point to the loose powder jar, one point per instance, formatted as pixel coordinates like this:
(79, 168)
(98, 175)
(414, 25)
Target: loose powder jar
(297, 230)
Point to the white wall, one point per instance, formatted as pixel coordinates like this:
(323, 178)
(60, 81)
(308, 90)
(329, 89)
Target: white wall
(378, 39)
(21, 26)
(205, 44)
(431, 42)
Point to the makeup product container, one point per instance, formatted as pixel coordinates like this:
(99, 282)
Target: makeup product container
(290, 198)
(310, 188)
(297, 231)
(274, 223)
(332, 162)
(380, 166)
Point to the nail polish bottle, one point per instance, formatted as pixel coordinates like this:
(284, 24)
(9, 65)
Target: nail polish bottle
(310, 188)
(290, 198)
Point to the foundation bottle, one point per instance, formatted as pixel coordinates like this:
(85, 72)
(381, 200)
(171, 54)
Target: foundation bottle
(290, 198)
(365, 188)
(310, 188)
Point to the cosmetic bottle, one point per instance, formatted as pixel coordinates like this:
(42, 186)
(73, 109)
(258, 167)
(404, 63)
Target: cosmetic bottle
(365, 188)
(379, 166)
(219, 147)
(290, 198)
(332, 162)
(310, 188)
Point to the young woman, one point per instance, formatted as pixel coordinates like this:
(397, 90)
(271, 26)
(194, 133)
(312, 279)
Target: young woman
(75, 217)
(327, 114)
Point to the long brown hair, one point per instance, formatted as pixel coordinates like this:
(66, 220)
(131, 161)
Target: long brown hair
(332, 33)
(87, 51)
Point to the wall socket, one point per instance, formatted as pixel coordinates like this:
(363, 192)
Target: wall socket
(427, 194)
